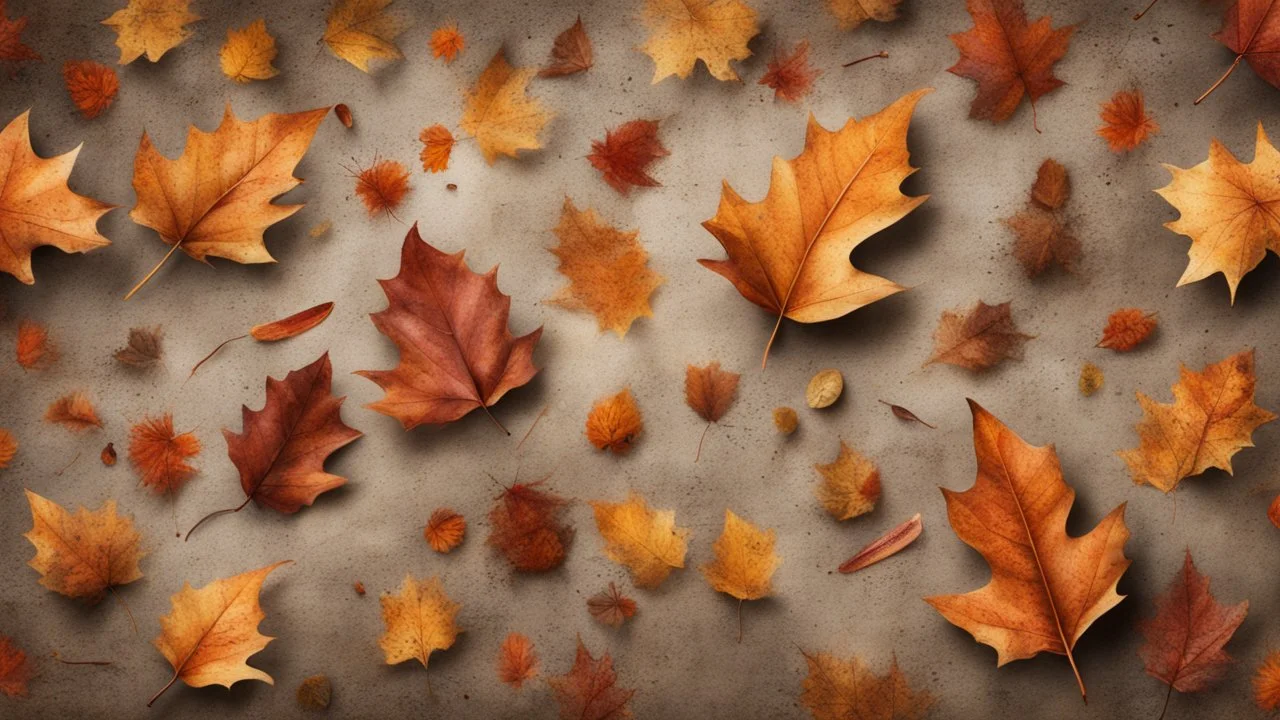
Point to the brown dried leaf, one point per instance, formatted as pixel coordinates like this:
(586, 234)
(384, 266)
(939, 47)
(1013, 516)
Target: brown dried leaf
(527, 526)
(1091, 379)
(314, 693)
(517, 661)
(1125, 122)
(838, 689)
(786, 420)
(571, 52)
(611, 607)
(15, 672)
(850, 486)
(886, 546)
(144, 348)
(624, 157)
(1043, 236)
(790, 75)
(589, 691)
(904, 414)
(74, 412)
(978, 339)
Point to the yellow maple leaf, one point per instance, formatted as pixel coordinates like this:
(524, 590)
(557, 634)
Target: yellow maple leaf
(210, 633)
(841, 689)
(744, 563)
(850, 486)
(789, 253)
(608, 270)
(1211, 418)
(36, 206)
(499, 115)
(82, 555)
(248, 53)
(153, 27)
(419, 620)
(852, 13)
(1230, 210)
(647, 541)
(215, 200)
(682, 32)
(359, 31)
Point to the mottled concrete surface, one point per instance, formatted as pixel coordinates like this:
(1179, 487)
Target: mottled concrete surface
(680, 651)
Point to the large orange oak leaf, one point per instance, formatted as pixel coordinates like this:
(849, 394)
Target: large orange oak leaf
(456, 351)
(86, 554)
(1009, 58)
(1046, 587)
(589, 691)
(837, 689)
(789, 253)
(36, 206)
(215, 199)
(1211, 418)
(210, 633)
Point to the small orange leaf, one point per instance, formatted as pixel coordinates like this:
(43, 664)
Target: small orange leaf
(73, 411)
(517, 662)
(14, 670)
(8, 448)
(291, 326)
(437, 144)
(34, 349)
(382, 187)
(445, 530)
(1125, 122)
(159, 455)
(1126, 329)
(614, 423)
(626, 153)
(611, 607)
(447, 42)
(108, 455)
(887, 545)
(571, 52)
(790, 75)
(1266, 682)
(93, 86)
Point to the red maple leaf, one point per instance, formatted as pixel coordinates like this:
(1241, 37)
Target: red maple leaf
(589, 691)
(626, 153)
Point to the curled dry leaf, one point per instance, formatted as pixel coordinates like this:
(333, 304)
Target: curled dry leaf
(15, 671)
(314, 693)
(34, 349)
(382, 187)
(1043, 235)
(904, 414)
(1091, 379)
(645, 540)
(159, 455)
(361, 31)
(838, 689)
(153, 27)
(614, 423)
(852, 13)
(517, 661)
(589, 691)
(744, 562)
(74, 412)
(12, 49)
(446, 42)
(1266, 682)
(210, 633)
(608, 270)
(1046, 587)
(419, 620)
(624, 156)
(143, 349)
(709, 391)
(344, 115)
(445, 530)
(527, 526)
(498, 115)
(611, 607)
(437, 145)
(1125, 122)
(785, 420)
(108, 455)
(86, 554)
(978, 339)
(1008, 58)
(1126, 329)
(276, 330)
(790, 74)
(824, 388)
(885, 546)
(850, 486)
(571, 52)
(247, 54)
(1211, 418)
(8, 448)
(92, 86)
(682, 32)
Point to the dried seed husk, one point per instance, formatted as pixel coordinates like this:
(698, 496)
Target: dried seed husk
(824, 389)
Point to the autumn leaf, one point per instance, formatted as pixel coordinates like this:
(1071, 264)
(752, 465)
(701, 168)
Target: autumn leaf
(852, 13)
(73, 411)
(34, 349)
(210, 633)
(885, 546)
(1127, 328)
(445, 530)
(611, 607)
(36, 206)
(1251, 30)
(382, 187)
(1227, 208)
(838, 689)
(143, 349)
(314, 693)
(15, 671)
(789, 253)
(744, 564)
(437, 145)
(1091, 379)
(442, 376)
(614, 423)
(527, 526)
(570, 54)
(517, 661)
(497, 113)
(8, 448)
(645, 540)
(1185, 639)
(247, 54)
(906, 415)
(785, 420)
(93, 86)
(1211, 418)
(446, 42)
(1046, 587)
(159, 455)
(589, 691)
(850, 485)
(419, 620)
(1008, 58)
(626, 153)
(276, 330)
(1125, 122)
(1266, 682)
(86, 554)
(215, 200)
(682, 32)
(1044, 237)
(360, 31)
(12, 49)
(608, 270)
(978, 339)
(790, 74)
(709, 391)
(153, 27)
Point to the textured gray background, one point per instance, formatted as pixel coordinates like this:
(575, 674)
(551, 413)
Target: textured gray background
(679, 652)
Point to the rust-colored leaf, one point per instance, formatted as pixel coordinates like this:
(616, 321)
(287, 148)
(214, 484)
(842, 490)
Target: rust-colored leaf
(314, 693)
(626, 153)
(108, 455)
(1126, 329)
(447, 42)
(159, 455)
(1125, 122)
(850, 485)
(838, 689)
(517, 661)
(34, 349)
(904, 414)
(790, 74)
(8, 448)
(978, 339)
(1043, 235)
(610, 606)
(143, 349)
(570, 54)
(12, 49)
(445, 530)
(885, 546)
(527, 526)
(709, 391)
(291, 326)
(614, 423)
(1251, 29)
(382, 187)
(74, 412)
(93, 86)
(437, 146)
(15, 672)
(589, 691)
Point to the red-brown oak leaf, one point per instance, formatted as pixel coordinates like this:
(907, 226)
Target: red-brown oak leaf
(626, 154)
(527, 526)
(590, 691)
(456, 351)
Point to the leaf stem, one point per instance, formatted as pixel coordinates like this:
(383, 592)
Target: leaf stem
(124, 605)
(59, 658)
(494, 419)
(698, 457)
(1139, 17)
(168, 685)
(739, 621)
(215, 352)
(212, 515)
(881, 54)
(154, 270)
(1225, 75)
(531, 427)
(1168, 694)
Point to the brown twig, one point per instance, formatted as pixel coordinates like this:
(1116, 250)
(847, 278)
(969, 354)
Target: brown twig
(881, 54)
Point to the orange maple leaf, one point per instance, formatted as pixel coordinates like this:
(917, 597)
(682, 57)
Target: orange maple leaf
(517, 661)
(437, 145)
(93, 86)
(626, 153)
(614, 423)
(1125, 122)
(159, 455)
(382, 187)
(34, 349)
(447, 42)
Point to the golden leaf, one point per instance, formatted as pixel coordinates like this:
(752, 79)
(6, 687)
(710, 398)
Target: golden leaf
(498, 115)
(745, 560)
(682, 32)
(850, 486)
(73, 411)
(847, 689)
(852, 13)
(614, 423)
(647, 541)
(785, 420)
(82, 555)
(419, 621)
(1091, 379)
(359, 31)
(437, 145)
(248, 53)
(153, 27)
